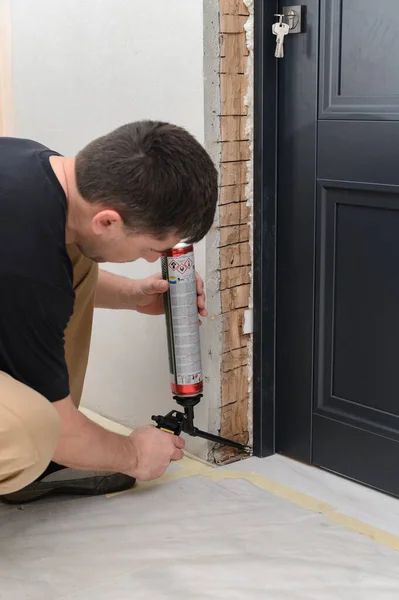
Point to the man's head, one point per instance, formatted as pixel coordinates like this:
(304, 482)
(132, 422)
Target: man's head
(148, 185)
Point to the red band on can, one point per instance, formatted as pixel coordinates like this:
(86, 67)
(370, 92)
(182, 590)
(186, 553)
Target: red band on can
(179, 251)
(187, 390)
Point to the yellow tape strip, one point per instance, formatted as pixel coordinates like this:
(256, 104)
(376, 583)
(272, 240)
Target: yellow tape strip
(190, 466)
(390, 540)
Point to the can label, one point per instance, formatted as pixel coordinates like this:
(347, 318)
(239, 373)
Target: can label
(182, 320)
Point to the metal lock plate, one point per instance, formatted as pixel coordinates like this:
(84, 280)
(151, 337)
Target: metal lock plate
(294, 17)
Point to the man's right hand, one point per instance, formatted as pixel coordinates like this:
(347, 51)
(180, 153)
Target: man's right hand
(84, 445)
(150, 451)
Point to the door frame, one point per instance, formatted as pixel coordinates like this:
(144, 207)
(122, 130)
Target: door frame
(264, 228)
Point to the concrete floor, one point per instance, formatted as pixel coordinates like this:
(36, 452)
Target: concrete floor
(260, 529)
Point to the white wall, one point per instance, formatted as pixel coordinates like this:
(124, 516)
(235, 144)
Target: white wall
(81, 68)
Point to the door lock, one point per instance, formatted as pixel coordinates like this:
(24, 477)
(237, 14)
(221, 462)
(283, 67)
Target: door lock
(294, 17)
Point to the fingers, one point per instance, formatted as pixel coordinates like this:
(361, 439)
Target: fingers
(178, 442)
(201, 296)
(161, 286)
(151, 452)
(200, 284)
(201, 301)
(177, 455)
(154, 285)
(202, 311)
(156, 276)
(179, 445)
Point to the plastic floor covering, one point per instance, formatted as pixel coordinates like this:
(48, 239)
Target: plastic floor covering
(192, 536)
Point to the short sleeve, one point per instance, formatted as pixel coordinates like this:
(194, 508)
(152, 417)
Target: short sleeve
(33, 319)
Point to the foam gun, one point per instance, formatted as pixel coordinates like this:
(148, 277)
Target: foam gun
(184, 350)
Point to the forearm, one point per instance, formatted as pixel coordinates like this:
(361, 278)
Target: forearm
(86, 446)
(114, 291)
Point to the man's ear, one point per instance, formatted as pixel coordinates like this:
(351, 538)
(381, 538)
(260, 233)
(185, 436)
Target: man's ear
(107, 222)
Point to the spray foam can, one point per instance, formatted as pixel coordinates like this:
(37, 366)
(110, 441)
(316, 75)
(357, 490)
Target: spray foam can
(182, 325)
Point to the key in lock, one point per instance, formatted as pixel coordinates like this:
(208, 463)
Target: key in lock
(280, 30)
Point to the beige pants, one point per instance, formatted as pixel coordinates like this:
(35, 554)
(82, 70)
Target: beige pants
(29, 424)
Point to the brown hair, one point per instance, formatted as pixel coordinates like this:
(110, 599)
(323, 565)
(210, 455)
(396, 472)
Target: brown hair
(156, 175)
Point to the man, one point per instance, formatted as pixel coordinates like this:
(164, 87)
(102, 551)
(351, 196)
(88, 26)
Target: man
(133, 193)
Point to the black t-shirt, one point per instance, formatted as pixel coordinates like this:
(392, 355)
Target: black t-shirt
(36, 278)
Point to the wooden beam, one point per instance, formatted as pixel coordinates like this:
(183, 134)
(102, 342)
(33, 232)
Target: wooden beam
(233, 235)
(232, 23)
(233, 173)
(232, 44)
(233, 89)
(233, 128)
(236, 255)
(235, 358)
(232, 193)
(234, 214)
(234, 55)
(233, 7)
(234, 151)
(236, 297)
(235, 276)
(233, 336)
(235, 386)
(234, 423)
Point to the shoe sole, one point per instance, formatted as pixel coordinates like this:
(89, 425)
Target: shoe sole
(63, 489)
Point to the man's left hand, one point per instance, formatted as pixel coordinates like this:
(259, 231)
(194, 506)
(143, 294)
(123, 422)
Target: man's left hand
(150, 291)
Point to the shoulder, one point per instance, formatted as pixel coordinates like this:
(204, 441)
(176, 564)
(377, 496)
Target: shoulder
(33, 207)
(13, 147)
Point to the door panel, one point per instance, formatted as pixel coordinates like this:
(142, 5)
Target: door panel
(359, 49)
(357, 374)
(356, 454)
(337, 376)
(359, 150)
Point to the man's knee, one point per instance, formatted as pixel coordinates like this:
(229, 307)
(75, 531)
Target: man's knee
(29, 433)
